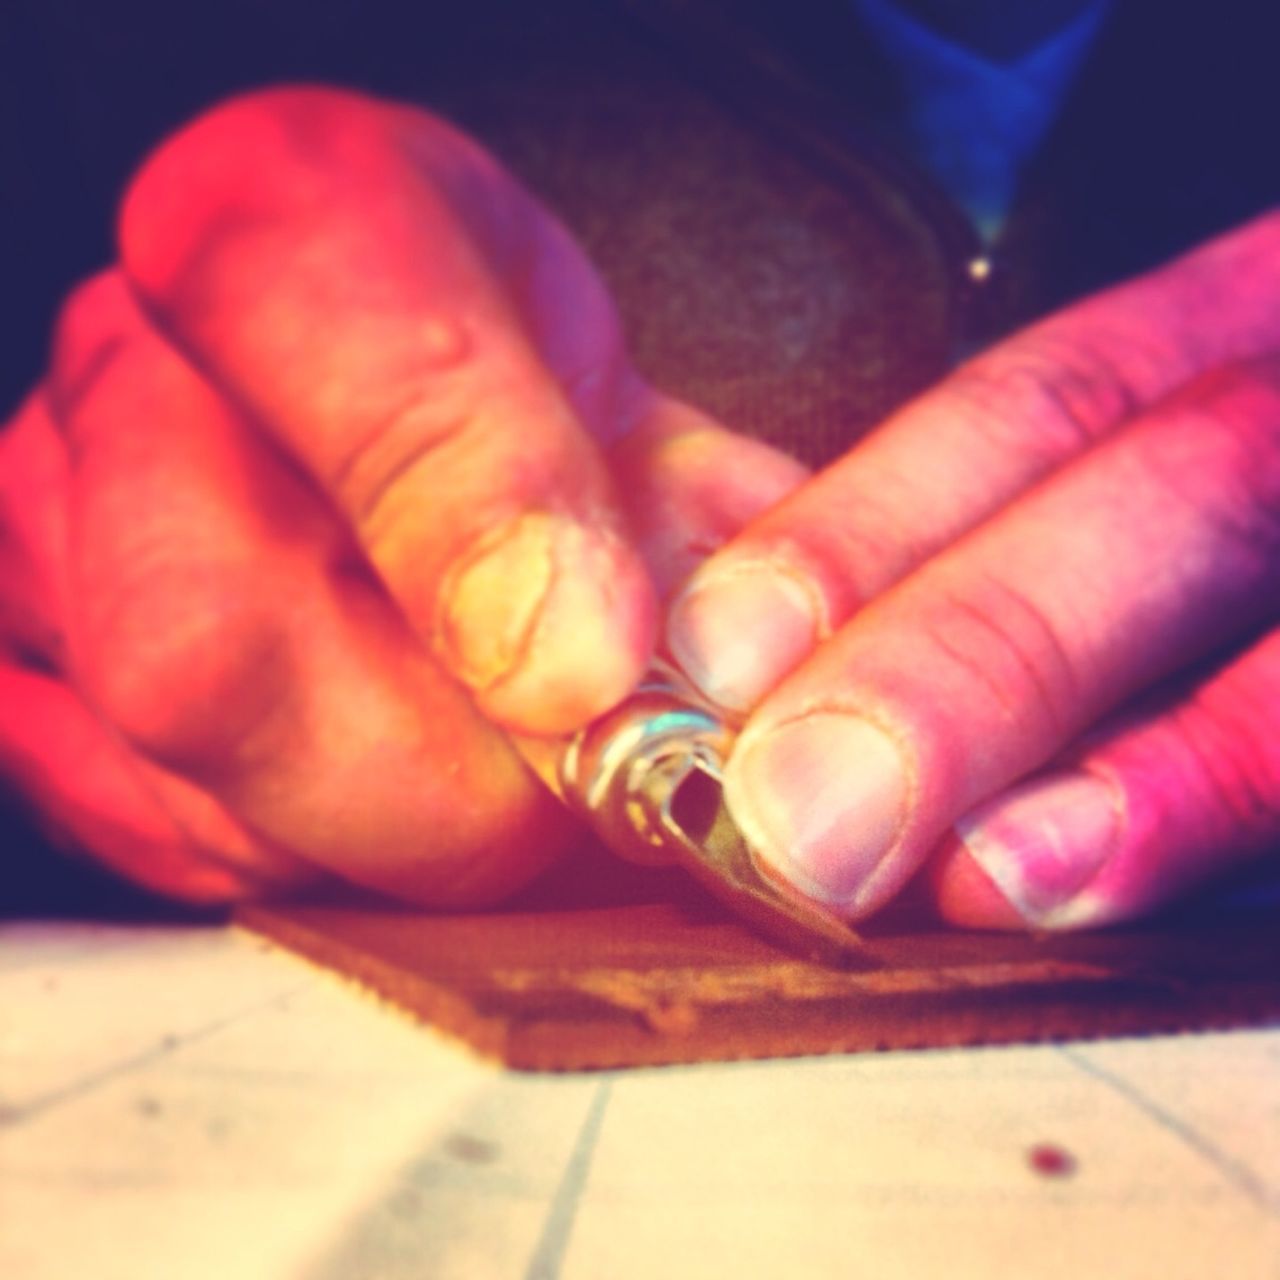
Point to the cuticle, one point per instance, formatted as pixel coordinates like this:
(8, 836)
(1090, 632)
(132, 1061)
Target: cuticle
(475, 551)
(751, 566)
(910, 771)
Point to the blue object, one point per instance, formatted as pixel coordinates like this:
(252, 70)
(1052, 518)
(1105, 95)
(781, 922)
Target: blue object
(974, 121)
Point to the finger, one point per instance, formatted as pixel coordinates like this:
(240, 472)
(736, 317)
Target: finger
(388, 303)
(1148, 553)
(689, 485)
(220, 624)
(33, 535)
(960, 453)
(91, 791)
(1160, 804)
(77, 775)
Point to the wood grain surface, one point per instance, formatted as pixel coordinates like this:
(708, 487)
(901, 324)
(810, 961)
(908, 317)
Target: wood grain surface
(614, 967)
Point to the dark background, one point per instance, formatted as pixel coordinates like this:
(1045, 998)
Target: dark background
(1171, 134)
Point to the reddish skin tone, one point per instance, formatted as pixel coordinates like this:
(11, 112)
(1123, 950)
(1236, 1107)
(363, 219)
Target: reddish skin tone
(333, 360)
(1097, 514)
(244, 608)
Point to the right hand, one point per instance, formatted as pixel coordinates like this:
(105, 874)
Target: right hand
(342, 472)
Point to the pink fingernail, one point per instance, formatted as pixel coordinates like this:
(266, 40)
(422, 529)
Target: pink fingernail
(736, 632)
(1044, 842)
(821, 800)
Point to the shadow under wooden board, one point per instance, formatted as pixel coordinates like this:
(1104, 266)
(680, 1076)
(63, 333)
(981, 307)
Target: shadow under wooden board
(631, 969)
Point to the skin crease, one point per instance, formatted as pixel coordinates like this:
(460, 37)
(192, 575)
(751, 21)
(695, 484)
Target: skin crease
(249, 556)
(258, 633)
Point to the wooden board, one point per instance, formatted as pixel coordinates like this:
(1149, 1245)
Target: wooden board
(633, 969)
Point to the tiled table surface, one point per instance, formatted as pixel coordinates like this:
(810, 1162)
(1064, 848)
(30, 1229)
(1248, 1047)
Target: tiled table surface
(187, 1102)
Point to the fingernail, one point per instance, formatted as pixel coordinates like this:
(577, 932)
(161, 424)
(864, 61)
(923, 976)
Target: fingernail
(1044, 842)
(821, 800)
(736, 632)
(548, 621)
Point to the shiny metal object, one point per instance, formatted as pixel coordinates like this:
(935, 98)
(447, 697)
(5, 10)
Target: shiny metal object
(646, 777)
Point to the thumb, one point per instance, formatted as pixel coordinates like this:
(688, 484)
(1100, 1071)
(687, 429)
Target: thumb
(357, 277)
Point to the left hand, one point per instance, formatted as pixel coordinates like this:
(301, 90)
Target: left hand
(342, 472)
(996, 628)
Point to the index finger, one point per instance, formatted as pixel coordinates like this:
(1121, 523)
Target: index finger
(960, 453)
(1149, 554)
(358, 278)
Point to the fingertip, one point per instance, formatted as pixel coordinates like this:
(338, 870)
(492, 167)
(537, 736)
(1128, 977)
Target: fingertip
(1041, 856)
(549, 622)
(738, 627)
(964, 895)
(822, 799)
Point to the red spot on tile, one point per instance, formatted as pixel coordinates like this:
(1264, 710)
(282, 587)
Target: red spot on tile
(1051, 1161)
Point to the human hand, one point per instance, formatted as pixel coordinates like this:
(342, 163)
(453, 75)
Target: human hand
(1025, 632)
(341, 474)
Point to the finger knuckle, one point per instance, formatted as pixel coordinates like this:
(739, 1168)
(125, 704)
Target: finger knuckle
(848, 552)
(1221, 457)
(247, 160)
(278, 135)
(97, 320)
(190, 678)
(291, 147)
(280, 122)
(302, 127)
(399, 451)
(1001, 641)
(1228, 730)
(448, 459)
(1044, 394)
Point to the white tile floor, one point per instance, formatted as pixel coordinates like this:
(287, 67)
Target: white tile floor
(193, 1103)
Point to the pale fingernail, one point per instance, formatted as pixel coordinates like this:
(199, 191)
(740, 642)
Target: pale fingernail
(1044, 842)
(821, 800)
(550, 622)
(736, 632)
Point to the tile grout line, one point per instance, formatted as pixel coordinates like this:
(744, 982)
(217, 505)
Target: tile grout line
(1239, 1174)
(548, 1253)
(167, 1044)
